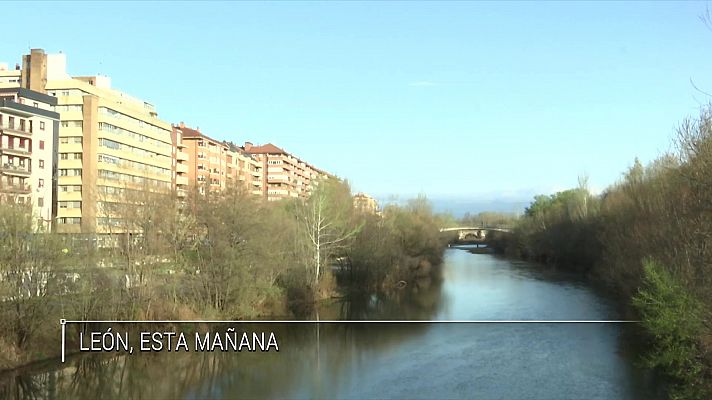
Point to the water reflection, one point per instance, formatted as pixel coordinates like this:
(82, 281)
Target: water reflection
(419, 360)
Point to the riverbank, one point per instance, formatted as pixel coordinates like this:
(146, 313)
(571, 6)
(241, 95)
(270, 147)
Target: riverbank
(644, 241)
(387, 360)
(227, 256)
(685, 375)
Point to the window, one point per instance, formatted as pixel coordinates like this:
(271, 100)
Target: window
(40, 202)
(73, 139)
(70, 172)
(41, 163)
(72, 124)
(35, 105)
(41, 183)
(70, 156)
(42, 125)
(70, 188)
(69, 108)
(41, 144)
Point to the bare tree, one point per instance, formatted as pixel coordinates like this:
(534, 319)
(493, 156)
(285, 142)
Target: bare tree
(325, 218)
(27, 272)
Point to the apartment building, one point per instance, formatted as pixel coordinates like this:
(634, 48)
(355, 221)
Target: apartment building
(283, 174)
(365, 203)
(207, 169)
(28, 160)
(181, 165)
(9, 78)
(110, 144)
(243, 168)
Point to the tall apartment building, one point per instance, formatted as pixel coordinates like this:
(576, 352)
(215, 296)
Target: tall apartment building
(283, 175)
(28, 160)
(208, 165)
(181, 166)
(213, 165)
(243, 168)
(109, 144)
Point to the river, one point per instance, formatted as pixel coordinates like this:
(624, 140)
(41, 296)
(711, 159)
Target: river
(383, 360)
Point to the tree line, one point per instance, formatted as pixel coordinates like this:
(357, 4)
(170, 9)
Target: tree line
(648, 238)
(222, 255)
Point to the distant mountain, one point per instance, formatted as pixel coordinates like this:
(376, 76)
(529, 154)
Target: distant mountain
(459, 206)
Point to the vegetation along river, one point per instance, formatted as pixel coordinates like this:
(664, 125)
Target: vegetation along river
(414, 360)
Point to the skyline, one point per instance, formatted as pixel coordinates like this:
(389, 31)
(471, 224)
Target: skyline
(400, 108)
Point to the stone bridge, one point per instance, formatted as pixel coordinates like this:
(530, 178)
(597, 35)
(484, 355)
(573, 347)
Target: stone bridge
(473, 233)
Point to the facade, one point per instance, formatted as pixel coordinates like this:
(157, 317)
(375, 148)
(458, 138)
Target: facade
(9, 78)
(207, 169)
(181, 164)
(243, 168)
(28, 160)
(110, 144)
(77, 148)
(214, 165)
(365, 203)
(283, 175)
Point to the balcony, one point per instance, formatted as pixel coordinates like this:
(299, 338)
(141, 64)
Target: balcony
(182, 156)
(278, 179)
(182, 180)
(15, 131)
(16, 151)
(18, 188)
(182, 168)
(181, 192)
(17, 170)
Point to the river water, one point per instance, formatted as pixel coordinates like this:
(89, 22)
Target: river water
(384, 360)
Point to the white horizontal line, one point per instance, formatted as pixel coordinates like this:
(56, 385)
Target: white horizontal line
(468, 321)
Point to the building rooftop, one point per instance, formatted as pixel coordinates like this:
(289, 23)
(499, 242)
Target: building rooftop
(189, 132)
(268, 148)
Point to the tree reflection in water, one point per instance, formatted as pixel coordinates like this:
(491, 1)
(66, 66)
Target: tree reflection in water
(313, 354)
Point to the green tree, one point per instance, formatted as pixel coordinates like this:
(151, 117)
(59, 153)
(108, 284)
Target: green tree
(675, 319)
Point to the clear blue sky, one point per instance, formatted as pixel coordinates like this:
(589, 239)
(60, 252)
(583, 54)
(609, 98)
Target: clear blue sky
(478, 100)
